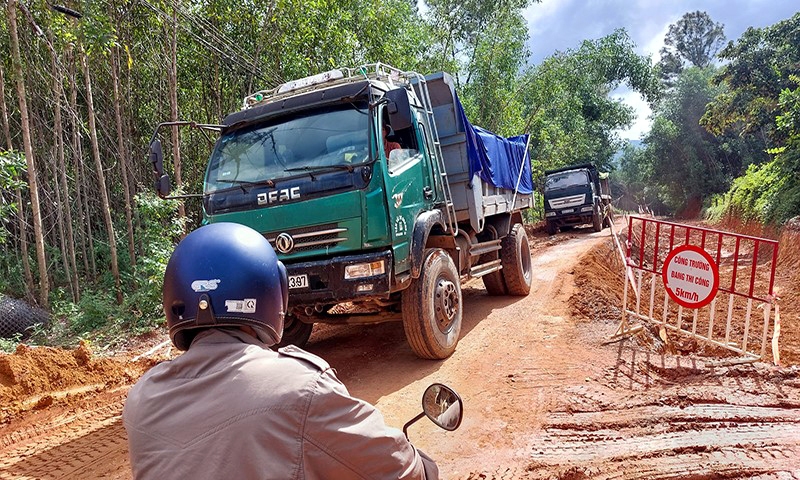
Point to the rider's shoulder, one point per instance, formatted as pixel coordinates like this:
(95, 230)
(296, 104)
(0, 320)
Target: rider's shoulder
(300, 354)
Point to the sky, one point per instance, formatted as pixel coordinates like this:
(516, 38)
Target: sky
(558, 25)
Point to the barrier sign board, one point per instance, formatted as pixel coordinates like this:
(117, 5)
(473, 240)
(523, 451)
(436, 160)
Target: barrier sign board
(691, 276)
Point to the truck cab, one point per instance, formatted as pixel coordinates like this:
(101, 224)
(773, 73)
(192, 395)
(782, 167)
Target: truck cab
(576, 195)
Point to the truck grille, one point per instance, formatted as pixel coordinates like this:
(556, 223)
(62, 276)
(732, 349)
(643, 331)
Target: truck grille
(307, 238)
(567, 202)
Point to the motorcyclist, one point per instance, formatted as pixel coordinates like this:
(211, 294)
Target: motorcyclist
(230, 407)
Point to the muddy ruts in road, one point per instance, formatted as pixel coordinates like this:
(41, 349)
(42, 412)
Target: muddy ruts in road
(90, 444)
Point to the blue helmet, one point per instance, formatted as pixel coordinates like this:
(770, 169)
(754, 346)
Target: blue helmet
(223, 275)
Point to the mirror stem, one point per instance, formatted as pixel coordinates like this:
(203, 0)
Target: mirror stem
(411, 422)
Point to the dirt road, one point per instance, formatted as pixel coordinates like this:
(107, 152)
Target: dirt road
(544, 398)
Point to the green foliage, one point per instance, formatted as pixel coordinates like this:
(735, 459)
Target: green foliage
(159, 233)
(762, 194)
(682, 163)
(96, 314)
(12, 166)
(9, 345)
(571, 115)
(762, 100)
(758, 68)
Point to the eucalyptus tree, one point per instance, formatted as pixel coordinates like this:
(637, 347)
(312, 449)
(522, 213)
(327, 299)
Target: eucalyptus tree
(32, 172)
(694, 40)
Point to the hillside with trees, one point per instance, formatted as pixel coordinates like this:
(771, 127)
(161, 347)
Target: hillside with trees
(724, 140)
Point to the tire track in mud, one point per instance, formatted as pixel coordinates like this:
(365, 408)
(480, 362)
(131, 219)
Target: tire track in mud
(90, 444)
(673, 431)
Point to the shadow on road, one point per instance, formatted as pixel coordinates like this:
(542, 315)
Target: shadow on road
(375, 360)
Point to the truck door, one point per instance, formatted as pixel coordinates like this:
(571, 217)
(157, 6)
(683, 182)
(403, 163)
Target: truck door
(408, 187)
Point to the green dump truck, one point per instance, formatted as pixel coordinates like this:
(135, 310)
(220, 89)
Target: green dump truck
(373, 229)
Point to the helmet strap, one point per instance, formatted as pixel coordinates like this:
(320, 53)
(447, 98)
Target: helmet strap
(205, 314)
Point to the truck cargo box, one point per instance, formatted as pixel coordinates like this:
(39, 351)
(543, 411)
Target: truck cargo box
(483, 169)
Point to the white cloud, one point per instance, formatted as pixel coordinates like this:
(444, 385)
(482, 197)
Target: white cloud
(643, 122)
(539, 14)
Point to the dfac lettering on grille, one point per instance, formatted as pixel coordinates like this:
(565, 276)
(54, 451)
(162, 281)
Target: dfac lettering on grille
(307, 238)
(278, 195)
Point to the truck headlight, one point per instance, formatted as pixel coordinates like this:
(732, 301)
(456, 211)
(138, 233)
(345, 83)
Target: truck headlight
(587, 209)
(361, 270)
(550, 214)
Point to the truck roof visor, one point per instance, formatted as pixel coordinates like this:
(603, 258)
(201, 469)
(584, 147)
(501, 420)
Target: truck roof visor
(343, 93)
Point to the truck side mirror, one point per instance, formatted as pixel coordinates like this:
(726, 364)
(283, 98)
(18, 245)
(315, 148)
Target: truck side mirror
(162, 184)
(399, 109)
(157, 157)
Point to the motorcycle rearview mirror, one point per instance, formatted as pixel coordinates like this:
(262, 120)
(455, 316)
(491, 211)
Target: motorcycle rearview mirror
(442, 405)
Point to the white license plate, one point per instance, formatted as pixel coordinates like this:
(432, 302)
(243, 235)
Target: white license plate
(298, 281)
(569, 210)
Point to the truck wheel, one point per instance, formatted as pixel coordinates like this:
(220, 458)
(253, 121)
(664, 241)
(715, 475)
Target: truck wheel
(432, 307)
(295, 332)
(550, 227)
(597, 220)
(515, 256)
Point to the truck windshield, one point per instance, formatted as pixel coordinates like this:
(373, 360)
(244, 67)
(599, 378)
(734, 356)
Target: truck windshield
(558, 181)
(328, 138)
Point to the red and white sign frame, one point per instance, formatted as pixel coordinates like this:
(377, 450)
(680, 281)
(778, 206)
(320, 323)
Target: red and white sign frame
(691, 277)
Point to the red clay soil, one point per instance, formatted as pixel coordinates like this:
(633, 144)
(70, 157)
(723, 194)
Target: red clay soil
(37, 377)
(546, 397)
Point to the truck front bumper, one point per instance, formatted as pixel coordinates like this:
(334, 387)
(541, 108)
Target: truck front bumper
(326, 282)
(572, 216)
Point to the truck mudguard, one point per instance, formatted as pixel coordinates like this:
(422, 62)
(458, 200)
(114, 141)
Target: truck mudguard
(422, 228)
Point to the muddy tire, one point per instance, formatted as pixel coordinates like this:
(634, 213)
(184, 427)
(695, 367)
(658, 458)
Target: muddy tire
(550, 227)
(295, 332)
(515, 256)
(432, 307)
(597, 220)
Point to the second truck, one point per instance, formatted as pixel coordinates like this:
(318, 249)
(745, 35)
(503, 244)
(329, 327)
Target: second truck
(576, 195)
(378, 195)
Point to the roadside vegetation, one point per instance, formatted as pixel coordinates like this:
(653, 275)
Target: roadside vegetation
(83, 236)
(725, 140)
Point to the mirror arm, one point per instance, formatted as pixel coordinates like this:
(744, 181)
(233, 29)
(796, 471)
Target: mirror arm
(379, 102)
(185, 195)
(411, 422)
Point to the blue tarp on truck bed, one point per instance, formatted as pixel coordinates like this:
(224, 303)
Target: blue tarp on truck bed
(496, 159)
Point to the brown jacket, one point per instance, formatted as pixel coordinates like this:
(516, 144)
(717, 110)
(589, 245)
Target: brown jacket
(231, 408)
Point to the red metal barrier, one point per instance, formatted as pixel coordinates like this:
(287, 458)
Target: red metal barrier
(740, 267)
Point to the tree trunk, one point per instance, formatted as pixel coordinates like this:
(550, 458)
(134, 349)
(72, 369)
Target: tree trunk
(44, 286)
(123, 154)
(66, 234)
(77, 153)
(101, 180)
(23, 225)
(173, 111)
